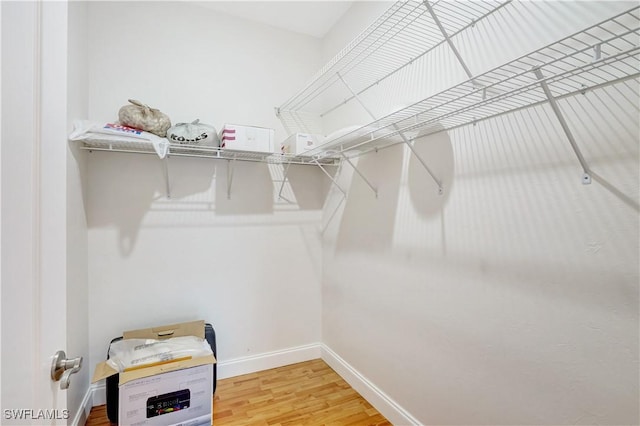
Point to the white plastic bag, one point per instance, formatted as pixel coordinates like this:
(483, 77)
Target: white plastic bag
(88, 131)
(132, 353)
(194, 133)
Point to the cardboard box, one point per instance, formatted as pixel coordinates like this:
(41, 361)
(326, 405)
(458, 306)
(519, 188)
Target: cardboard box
(247, 138)
(170, 393)
(299, 143)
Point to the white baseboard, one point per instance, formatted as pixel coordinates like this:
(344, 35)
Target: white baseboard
(99, 393)
(264, 361)
(85, 408)
(380, 400)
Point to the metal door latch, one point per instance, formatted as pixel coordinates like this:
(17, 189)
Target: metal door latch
(62, 368)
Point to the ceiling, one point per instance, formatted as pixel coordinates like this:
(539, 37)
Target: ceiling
(314, 18)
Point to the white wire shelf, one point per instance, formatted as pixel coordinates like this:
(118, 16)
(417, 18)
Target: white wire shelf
(197, 151)
(603, 54)
(403, 34)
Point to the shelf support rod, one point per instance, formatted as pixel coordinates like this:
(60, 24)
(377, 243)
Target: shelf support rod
(404, 138)
(324, 228)
(330, 177)
(165, 167)
(230, 164)
(448, 39)
(284, 179)
(424, 164)
(586, 176)
(356, 96)
(335, 211)
(373, 188)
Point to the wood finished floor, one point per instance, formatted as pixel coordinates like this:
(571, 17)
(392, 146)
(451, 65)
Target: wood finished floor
(308, 393)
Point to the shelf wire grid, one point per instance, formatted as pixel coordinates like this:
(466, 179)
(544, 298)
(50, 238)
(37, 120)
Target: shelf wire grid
(603, 54)
(403, 34)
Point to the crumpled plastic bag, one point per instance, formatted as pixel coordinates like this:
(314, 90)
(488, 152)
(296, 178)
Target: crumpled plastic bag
(128, 354)
(84, 130)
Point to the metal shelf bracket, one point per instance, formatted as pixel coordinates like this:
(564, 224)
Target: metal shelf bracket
(448, 39)
(424, 164)
(335, 210)
(333, 180)
(373, 188)
(586, 176)
(356, 97)
(284, 179)
(404, 138)
(165, 167)
(230, 164)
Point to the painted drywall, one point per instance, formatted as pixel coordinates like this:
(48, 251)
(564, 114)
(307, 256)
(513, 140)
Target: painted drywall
(77, 243)
(513, 297)
(314, 18)
(249, 264)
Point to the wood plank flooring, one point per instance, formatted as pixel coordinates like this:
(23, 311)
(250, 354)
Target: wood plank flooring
(308, 393)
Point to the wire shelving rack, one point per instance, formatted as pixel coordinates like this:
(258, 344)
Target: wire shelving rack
(406, 32)
(603, 54)
(600, 55)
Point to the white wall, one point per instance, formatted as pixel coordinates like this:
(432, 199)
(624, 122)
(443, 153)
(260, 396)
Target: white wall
(250, 265)
(77, 246)
(513, 297)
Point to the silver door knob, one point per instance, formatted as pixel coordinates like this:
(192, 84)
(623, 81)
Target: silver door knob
(62, 368)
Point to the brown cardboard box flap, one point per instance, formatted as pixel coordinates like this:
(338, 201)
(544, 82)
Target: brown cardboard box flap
(193, 328)
(104, 370)
(128, 376)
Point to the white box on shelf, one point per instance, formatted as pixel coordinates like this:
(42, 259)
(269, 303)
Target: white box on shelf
(247, 138)
(299, 143)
